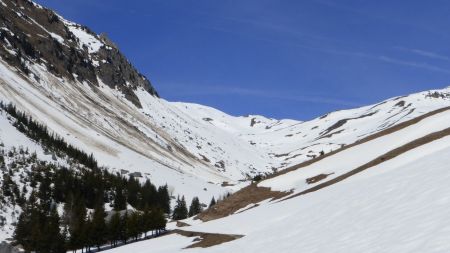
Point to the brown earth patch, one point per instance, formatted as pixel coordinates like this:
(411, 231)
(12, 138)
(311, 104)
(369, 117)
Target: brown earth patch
(249, 195)
(206, 240)
(182, 224)
(315, 179)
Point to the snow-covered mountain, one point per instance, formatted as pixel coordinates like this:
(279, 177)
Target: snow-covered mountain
(398, 204)
(83, 89)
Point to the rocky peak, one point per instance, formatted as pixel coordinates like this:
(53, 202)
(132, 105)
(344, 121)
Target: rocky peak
(31, 34)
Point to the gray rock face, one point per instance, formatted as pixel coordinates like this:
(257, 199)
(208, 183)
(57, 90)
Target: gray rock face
(32, 34)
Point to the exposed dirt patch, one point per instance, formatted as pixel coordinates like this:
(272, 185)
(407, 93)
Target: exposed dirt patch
(182, 224)
(315, 179)
(249, 195)
(206, 240)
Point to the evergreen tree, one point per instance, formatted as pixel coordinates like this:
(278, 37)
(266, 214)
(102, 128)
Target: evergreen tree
(146, 221)
(99, 229)
(212, 203)
(77, 225)
(53, 240)
(195, 207)
(149, 195)
(159, 220)
(123, 227)
(120, 201)
(132, 228)
(164, 199)
(87, 237)
(180, 210)
(39, 229)
(114, 228)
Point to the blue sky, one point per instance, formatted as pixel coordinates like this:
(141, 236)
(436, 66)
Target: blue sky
(282, 59)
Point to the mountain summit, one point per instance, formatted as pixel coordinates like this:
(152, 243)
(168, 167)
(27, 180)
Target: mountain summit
(33, 34)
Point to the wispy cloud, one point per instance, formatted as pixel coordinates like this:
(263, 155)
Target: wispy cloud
(425, 53)
(419, 65)
(305, 40)
(186, 90)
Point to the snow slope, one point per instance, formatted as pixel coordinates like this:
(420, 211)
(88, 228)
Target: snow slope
(192, 147)
(289, 142)
(400, 205)
(358, 155)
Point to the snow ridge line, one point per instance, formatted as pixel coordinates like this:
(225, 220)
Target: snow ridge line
(383, 158)
(364, 140)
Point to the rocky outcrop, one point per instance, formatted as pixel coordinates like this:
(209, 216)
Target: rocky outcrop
(31, 34)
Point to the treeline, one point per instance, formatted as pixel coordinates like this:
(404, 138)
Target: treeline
(180, 211)
(82, 189)
(39, 133)
(38, 227)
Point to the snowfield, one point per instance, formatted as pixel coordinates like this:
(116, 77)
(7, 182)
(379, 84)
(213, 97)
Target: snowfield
(399, 206)
(193, 148)
(358, 155)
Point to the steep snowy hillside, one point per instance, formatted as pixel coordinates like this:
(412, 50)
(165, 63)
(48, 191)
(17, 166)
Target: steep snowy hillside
(120, 120)
(126, 126)
(393, 198)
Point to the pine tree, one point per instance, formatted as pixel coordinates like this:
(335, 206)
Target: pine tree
(180, 210)
(77, 224)
(146, 221)
(133, 226)
(114, 228)
(39, 229)
(159, 220)
(164, 199)
(123, 227)
(99, 229)
(87, 235)
(120, 200)
(195, 207)
(54, 241)
(212, 203)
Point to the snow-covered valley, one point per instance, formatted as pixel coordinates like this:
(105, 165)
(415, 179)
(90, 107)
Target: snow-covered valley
(369, 179)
